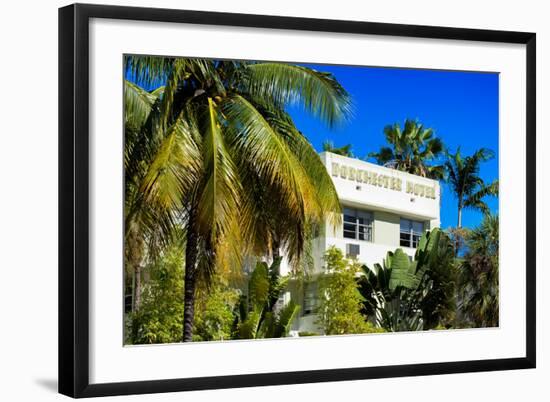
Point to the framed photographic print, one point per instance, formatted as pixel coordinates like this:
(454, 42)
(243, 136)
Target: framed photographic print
(252, 200)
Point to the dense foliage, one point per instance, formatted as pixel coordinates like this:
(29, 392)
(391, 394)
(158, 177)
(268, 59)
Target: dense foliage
(340, 304)
(160, 316)
(410, 295)
(214, 312)
(478, 281)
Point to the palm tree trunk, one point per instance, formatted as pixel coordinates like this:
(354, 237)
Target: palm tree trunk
(133, 292)
(134, 250)
(137, 287)
(136, 302)
(459, 225)
(190, 278)
(275, 249)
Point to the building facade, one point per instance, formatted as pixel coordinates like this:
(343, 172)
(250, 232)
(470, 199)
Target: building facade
(382, 209)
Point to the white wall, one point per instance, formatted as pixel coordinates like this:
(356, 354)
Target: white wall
(369, 253)
(354, 192)
(28, 162)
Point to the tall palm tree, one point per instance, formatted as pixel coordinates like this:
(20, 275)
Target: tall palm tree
(468, 187)
(213, 150)
(411, 149)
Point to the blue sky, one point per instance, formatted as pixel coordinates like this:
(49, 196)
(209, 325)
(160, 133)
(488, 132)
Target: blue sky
(462, 108)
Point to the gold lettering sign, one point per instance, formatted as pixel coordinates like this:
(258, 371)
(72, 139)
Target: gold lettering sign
(382, 180)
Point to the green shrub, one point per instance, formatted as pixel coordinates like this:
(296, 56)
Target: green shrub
(340, 301)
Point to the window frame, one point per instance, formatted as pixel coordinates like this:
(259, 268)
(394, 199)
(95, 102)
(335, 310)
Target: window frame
(413, 237)
(368, 228)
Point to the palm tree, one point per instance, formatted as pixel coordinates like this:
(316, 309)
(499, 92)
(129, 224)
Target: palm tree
(411, 149)
(479, 274)
(213, 151)
(469, 188)
(345, 150)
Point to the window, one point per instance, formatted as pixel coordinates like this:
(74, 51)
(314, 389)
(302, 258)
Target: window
(410, 233)
(357, 224)
(352, 250)
(310, 298)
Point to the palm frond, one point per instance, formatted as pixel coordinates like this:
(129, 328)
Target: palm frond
(314, 168)
(137, 104)
(274, 161)
(218, 200)
(412, 149)
(174, 168)
(286, 186)
(162, 118)
(475, 200)
(319, 93)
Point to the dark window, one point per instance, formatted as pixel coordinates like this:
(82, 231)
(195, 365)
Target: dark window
(310, 298)
(357, 224)
(410, 233)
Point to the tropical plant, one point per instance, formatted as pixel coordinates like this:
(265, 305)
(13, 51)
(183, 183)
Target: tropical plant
(212, 149)
(339, 310)
(412, 149)
(214, 312)
(468, 187)
(438, 302)
(411, 295)
(345, 150)
(479, 273)
(389, 293)
(160, 317)
(259, 313)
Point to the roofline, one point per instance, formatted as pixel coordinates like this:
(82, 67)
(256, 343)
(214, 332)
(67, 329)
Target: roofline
(414, 176)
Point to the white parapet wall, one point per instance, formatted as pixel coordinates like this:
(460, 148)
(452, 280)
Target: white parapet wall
(375, 187)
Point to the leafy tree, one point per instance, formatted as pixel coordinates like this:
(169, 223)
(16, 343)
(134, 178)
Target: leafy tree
(259, 315)
(339, 309)
(411, 149)
(411, 295)
(468, 187)
(212, 149)
(479, 290)
(159, 320)
(214, 312)
(345, 150)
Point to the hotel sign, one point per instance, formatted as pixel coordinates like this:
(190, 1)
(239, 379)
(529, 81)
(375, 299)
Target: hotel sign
(382, 180)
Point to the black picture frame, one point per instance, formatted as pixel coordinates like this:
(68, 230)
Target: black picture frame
(74, 199)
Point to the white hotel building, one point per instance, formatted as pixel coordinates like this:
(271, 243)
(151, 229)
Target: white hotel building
(383, 209)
